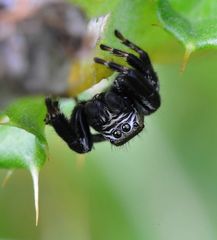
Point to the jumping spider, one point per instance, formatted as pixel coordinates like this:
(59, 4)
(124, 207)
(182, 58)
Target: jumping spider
(116, 114)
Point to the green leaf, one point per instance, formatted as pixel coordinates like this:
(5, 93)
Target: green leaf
(20, 149)
(22, 140)
(193, 22)
(29, 114)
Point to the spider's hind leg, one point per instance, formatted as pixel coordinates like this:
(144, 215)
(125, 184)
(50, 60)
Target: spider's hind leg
(76, 132)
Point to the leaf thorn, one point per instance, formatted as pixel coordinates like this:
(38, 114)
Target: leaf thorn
(35, 176)
(188, 51)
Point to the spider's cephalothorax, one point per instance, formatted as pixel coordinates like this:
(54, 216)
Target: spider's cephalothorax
(116, 114)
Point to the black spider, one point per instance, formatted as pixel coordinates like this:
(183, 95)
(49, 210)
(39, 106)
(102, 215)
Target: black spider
(116, 114)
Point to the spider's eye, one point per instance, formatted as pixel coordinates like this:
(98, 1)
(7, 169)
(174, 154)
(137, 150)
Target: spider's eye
(126, 127)
(117, 133)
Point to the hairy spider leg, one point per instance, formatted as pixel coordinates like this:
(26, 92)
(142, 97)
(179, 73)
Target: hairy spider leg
(76, 132)
(56, 119)
(143, 55)
(80, 126)
(142, 64)
(137, 87)
(53, 107)
(131, 85)
(140, 80)
(112, 65)
(131, 59)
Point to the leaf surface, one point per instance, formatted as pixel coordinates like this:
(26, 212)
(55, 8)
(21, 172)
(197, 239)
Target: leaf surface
(193, 23)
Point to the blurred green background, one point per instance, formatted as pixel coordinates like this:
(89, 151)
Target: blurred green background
(160, 186)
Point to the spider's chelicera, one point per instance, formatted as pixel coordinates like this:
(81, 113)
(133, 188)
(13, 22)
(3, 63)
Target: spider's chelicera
(116, 114)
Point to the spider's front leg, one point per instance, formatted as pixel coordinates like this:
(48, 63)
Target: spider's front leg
(75, 132)
(132, 84)
(139, 83)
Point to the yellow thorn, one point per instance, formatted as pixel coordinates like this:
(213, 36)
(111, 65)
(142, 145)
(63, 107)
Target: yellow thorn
(189, 50)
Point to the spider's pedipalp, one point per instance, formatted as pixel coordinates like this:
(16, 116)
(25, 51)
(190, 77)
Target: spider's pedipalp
(112, 65)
